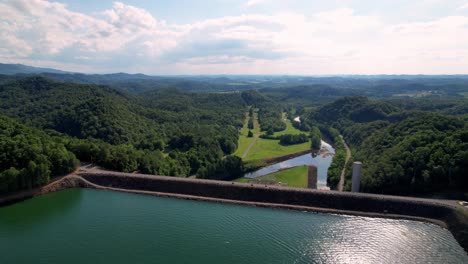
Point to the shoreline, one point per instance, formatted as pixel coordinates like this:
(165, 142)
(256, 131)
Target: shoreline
(74, 181)
(271, 161)
(444, 213)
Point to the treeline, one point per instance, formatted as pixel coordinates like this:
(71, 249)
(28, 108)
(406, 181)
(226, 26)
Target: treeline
(270, 115)
(29, 158)
(166, 132)
(227, 169)
(421, 154)
(315, 139)
(403, 152)
(289, 139)
(339, 159)
(271, 119)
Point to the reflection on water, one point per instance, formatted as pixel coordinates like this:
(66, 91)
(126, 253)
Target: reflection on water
(23, 215)
(114, 227)
(321, 161)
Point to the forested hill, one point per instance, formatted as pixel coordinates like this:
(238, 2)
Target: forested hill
(421, 154)
(89, 111)
(77, 110)
(407, 144)
(28, 157)
(168, 132)
(24, 69)
(405, 149)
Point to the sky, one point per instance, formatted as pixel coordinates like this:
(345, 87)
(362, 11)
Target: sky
(291, 37)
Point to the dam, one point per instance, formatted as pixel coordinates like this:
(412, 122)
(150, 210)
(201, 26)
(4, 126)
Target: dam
(321, 224)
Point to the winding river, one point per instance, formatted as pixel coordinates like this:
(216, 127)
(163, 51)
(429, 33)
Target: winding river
(322, 161)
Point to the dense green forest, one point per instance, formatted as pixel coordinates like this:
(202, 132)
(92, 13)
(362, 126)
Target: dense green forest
(29, 157)
(166, 132)
(410, 132)
(404, 149)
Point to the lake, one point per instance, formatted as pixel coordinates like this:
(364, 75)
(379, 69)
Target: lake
(322, 161)
(91, 226)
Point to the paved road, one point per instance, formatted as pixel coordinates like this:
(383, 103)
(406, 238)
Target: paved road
(343, 172)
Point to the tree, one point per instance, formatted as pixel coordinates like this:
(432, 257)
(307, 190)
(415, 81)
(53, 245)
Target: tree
(8, 180)
(250, 124)
(316, 139)
(250, 134)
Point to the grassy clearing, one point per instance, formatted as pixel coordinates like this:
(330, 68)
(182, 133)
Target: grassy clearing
(267, 148)
(289, 130)
(294, 177)
(245, 141)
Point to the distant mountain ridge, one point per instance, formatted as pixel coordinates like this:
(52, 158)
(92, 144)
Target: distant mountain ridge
(9, 69)
(332, 86)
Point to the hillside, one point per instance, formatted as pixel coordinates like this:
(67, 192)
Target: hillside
(24, 69)
(405, 148)
(421, 154)
(168, 132)
(29, 157)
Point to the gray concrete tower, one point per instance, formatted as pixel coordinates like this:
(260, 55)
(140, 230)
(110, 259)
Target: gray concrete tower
(356, 176)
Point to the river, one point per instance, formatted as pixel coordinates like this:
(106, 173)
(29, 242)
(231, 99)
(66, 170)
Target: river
(91, 226)
(322, 161)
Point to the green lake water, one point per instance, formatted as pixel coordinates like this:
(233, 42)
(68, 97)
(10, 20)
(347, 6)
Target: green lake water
(90, 226)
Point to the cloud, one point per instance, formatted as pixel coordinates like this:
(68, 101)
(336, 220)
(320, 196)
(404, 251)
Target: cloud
(462, 7)
(255, 2)
(125, 16)
(128, 38)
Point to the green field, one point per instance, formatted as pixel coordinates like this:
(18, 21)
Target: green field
(289, 129)
(245, 141)
(267, 148)
(295, 177)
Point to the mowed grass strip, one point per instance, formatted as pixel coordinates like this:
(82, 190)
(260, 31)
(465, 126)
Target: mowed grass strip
(244, 140)
(268, 148)
(294, 177)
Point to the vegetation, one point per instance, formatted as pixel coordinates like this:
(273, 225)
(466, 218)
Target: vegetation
(267, 148)
(410, 133)
(315, 139)
(29, 157)
(244, 139)
(294, 177)
(165, 132)
(339, 160)
(403, 152)
(425, 153)
(290, 139)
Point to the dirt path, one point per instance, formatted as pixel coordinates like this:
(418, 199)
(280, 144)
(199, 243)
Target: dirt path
(343, 172)
(250, 146)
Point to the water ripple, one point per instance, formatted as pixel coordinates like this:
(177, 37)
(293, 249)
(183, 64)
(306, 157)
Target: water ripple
(109, 227)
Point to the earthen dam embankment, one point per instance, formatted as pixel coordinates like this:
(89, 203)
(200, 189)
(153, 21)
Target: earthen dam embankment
(442, 212)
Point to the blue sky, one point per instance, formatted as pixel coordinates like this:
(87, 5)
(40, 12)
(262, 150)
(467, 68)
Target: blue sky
(304, 37)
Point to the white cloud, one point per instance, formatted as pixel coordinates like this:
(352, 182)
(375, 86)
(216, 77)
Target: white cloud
(127, 38)
(255, 2)
(462, 7)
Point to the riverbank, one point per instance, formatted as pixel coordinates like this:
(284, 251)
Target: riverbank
(441, 212)
(270, 161)
(343, 171)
